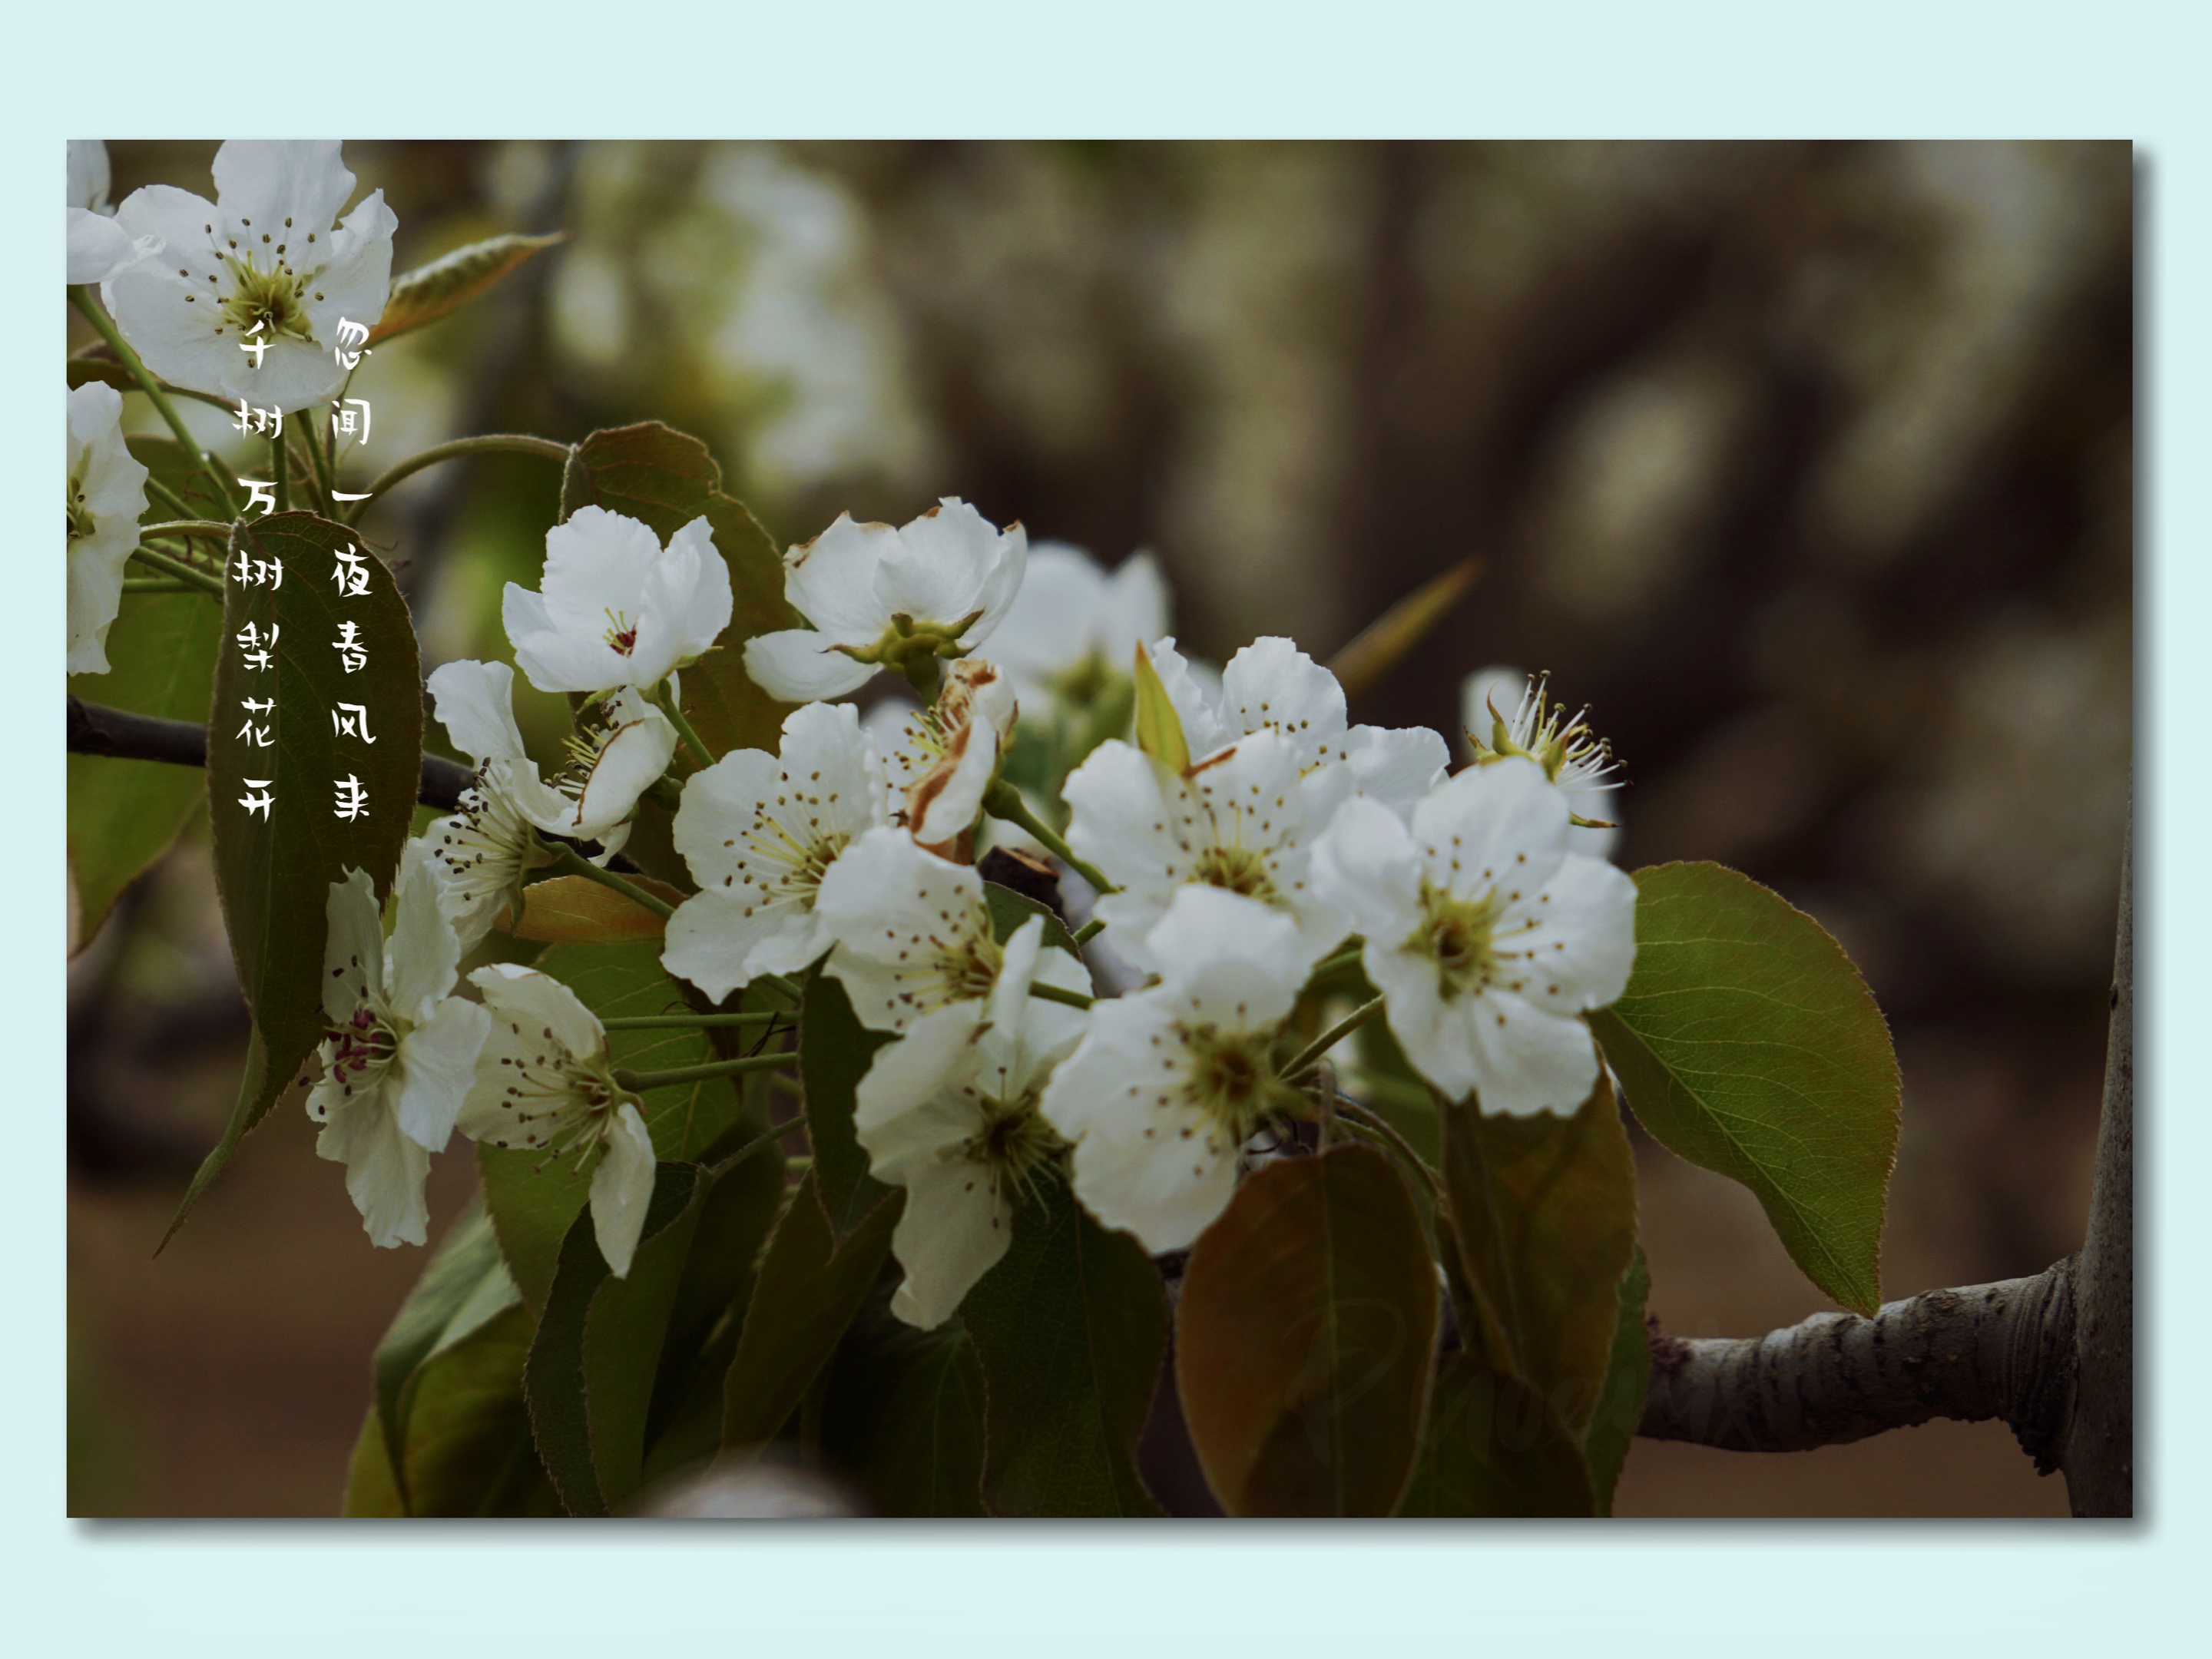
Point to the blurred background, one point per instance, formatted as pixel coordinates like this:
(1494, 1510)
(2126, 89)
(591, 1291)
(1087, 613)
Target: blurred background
(1807, 467)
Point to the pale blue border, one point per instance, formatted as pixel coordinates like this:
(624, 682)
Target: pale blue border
(1176, 69)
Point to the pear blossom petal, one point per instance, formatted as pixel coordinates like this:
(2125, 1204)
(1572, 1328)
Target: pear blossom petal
(1369, 866)
(897, 1115)
(528, 1003)
(622, 1189)
(796, 665)
(260, 183)
(1397, 766)
(913, 932)
(98, 247)
(830, 580)
(1167, 1201)
(950, 562)
(1231, 959)
(88, 174)
(1198, 701)
(384, 1169)
(955, 1227)
(1271, 683)
(436, 1067)
(107, 494)
(719, 941)
(475, 701)
(1502, 822)
(1576, 938)
(1527, 1061)
(353, 947)
(424, 952)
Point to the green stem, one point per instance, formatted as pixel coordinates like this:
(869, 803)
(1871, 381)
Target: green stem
(1308, 1056)
(1004, 801)
(206, 529)
(781, 986)
(325, 471)
(1330, 965)
(1356, 1115)
(1088, 931)
(81, 297)
(686, 1022)
(666, 698)
(179, 571)
(158, 584)
(491, 443)
(576, 864)
(1054, 994)
(640, 1082)
(167, 497)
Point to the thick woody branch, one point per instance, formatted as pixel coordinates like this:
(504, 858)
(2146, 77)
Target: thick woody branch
(95, 729)
(2003, 1350)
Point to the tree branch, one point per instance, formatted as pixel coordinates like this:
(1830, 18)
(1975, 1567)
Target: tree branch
(2053, 1355)
(95, 729)
(2003, 1350)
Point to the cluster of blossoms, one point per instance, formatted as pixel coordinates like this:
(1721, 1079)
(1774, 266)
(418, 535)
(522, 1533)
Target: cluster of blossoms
(1254, 838)
(1286, 836)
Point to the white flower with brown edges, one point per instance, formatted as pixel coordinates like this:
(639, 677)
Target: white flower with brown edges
(614, 607)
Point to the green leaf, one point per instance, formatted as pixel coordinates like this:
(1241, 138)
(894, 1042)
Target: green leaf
(274, 872)
(1304, 1337)
(124, 814)
(666, 478)
(1159, 728)
(590, 1373)
(1010, 910)
(161, 650)
(532, 1199)
(811, 1285)
(1544, 1210)
(735, 1218)
(725, 708)
(465, 1285)
(835, 1050)
(1493, 1448)
(1070, 1327)
(371, 1493)
(1390, 638)
(1620, 1405)
(904, 1415)
(428, 292)
(1748, 1043)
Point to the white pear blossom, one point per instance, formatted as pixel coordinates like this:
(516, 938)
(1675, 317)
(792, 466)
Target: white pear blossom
(1271, 684)
(759, 831)
(1243, 820)
(1169, 1084)
(950, 1113)
(107, 497)
(1504, 712)
(617, 608)
(913, 934)
(877, 598)
(940, 761)
(1486, 936)
(98, 246)
(545, 1080)
(486, 848)
(1072, 626)
(402, 1051)
(266, 263)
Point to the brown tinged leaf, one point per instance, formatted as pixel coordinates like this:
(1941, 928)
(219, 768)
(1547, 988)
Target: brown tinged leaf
(1390, 638)
(1544, 1211)
(423, 296)
(1305, 1337)
(574, 909)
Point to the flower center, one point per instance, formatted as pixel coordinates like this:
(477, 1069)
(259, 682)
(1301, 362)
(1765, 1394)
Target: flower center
(971, 966)
(560, 1103)
(1239, 869)
(80, 515)
(363, 1043)
(276, 300)
(1015, 1143)
(1229, 1079)
(1459, 933)
(623, 638)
